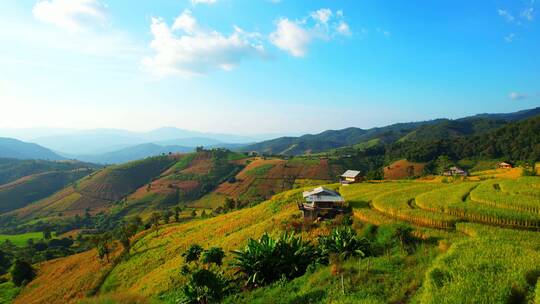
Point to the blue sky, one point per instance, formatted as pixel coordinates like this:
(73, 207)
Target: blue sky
(263, 66)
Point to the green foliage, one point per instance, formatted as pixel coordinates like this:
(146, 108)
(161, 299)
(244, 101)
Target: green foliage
(344, 242)
(267, 260)
(34, 188)
(8, 292)
(261, 170)
(13, 169)
(205, 286)
(22, 272)
(193, 253)
(214, 255)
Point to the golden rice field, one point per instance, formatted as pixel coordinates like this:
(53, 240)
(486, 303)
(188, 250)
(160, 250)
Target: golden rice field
(491, 258)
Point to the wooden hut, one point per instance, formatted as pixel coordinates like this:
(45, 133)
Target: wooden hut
(350, 177)
(504, 165)
(322, 203)
(455, 171)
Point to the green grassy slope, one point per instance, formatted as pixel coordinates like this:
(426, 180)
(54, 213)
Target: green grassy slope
(98, 191)
(32, 188)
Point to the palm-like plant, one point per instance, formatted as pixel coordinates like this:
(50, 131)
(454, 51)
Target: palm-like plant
(343, 242)
(267, 260)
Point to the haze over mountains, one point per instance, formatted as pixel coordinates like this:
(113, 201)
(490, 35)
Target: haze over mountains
(109, 146)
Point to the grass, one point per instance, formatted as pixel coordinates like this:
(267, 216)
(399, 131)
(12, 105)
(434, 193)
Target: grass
(493, 266)
(8, 292)
(516, 195)
(471, 264)
(261, 170)
(398, 204)
(454, 200)
(390, 278)
(21, 239)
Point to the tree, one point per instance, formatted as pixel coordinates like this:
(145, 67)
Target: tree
(5, 262)
(124, 234)
(193, 253)
(193, 213)
(213, 255)
(205, 286)
(102, 245)
(22, 272)
(177, 211)
(154, 221)
(166, 215)
(47, 234)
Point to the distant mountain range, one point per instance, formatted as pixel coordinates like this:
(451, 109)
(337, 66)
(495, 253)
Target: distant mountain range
(101, 141)
(106, 146)
(415, 131)
(12, 148)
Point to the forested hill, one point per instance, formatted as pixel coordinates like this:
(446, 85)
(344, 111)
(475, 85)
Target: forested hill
(416, 131)
(514, 141)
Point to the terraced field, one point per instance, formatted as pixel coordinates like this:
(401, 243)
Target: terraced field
(473, 263)
(262, 178)
(506, 203)
(98, 191)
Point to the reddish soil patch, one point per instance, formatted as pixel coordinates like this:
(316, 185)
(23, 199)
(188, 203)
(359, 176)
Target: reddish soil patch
(165, 186)
(201, 164)
(402, 169)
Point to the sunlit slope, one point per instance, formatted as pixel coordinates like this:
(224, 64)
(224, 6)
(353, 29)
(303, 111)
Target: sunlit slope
(31, 188)
(65, 280)
(493, 266)
(264, 177)
(155, 258)
(190, 178)
(99, 191)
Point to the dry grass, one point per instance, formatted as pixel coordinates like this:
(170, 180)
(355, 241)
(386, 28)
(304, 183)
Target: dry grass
(402, 169)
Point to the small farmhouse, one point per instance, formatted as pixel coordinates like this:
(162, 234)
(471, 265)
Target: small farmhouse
(350, 177)
(504, 165)
(455, 171)
(322, 203)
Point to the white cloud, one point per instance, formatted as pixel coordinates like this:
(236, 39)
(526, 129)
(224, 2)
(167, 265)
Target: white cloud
(72, 15)
(295, 37)
(195, 2)
(185, 22)
(506, 15)
(528, 14)
(291, 37)
(322, 16)
(186, 49)
(517, 96)
(343, 28)
(510, 38)
(386, 33)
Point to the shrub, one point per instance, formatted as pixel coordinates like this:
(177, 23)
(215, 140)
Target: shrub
(213, 255)
(267, 260)
(344, 243)
(193, 253)
(205, 286)
(22, 272)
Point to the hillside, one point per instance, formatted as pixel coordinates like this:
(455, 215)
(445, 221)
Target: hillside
(426, 272)
(133, 153)
(99, 191)
(12, 148)
(438, 129)
(100, 141)
(518, 141)
(191, 177)
(12, 169)
(264, 177)
(32, 188)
